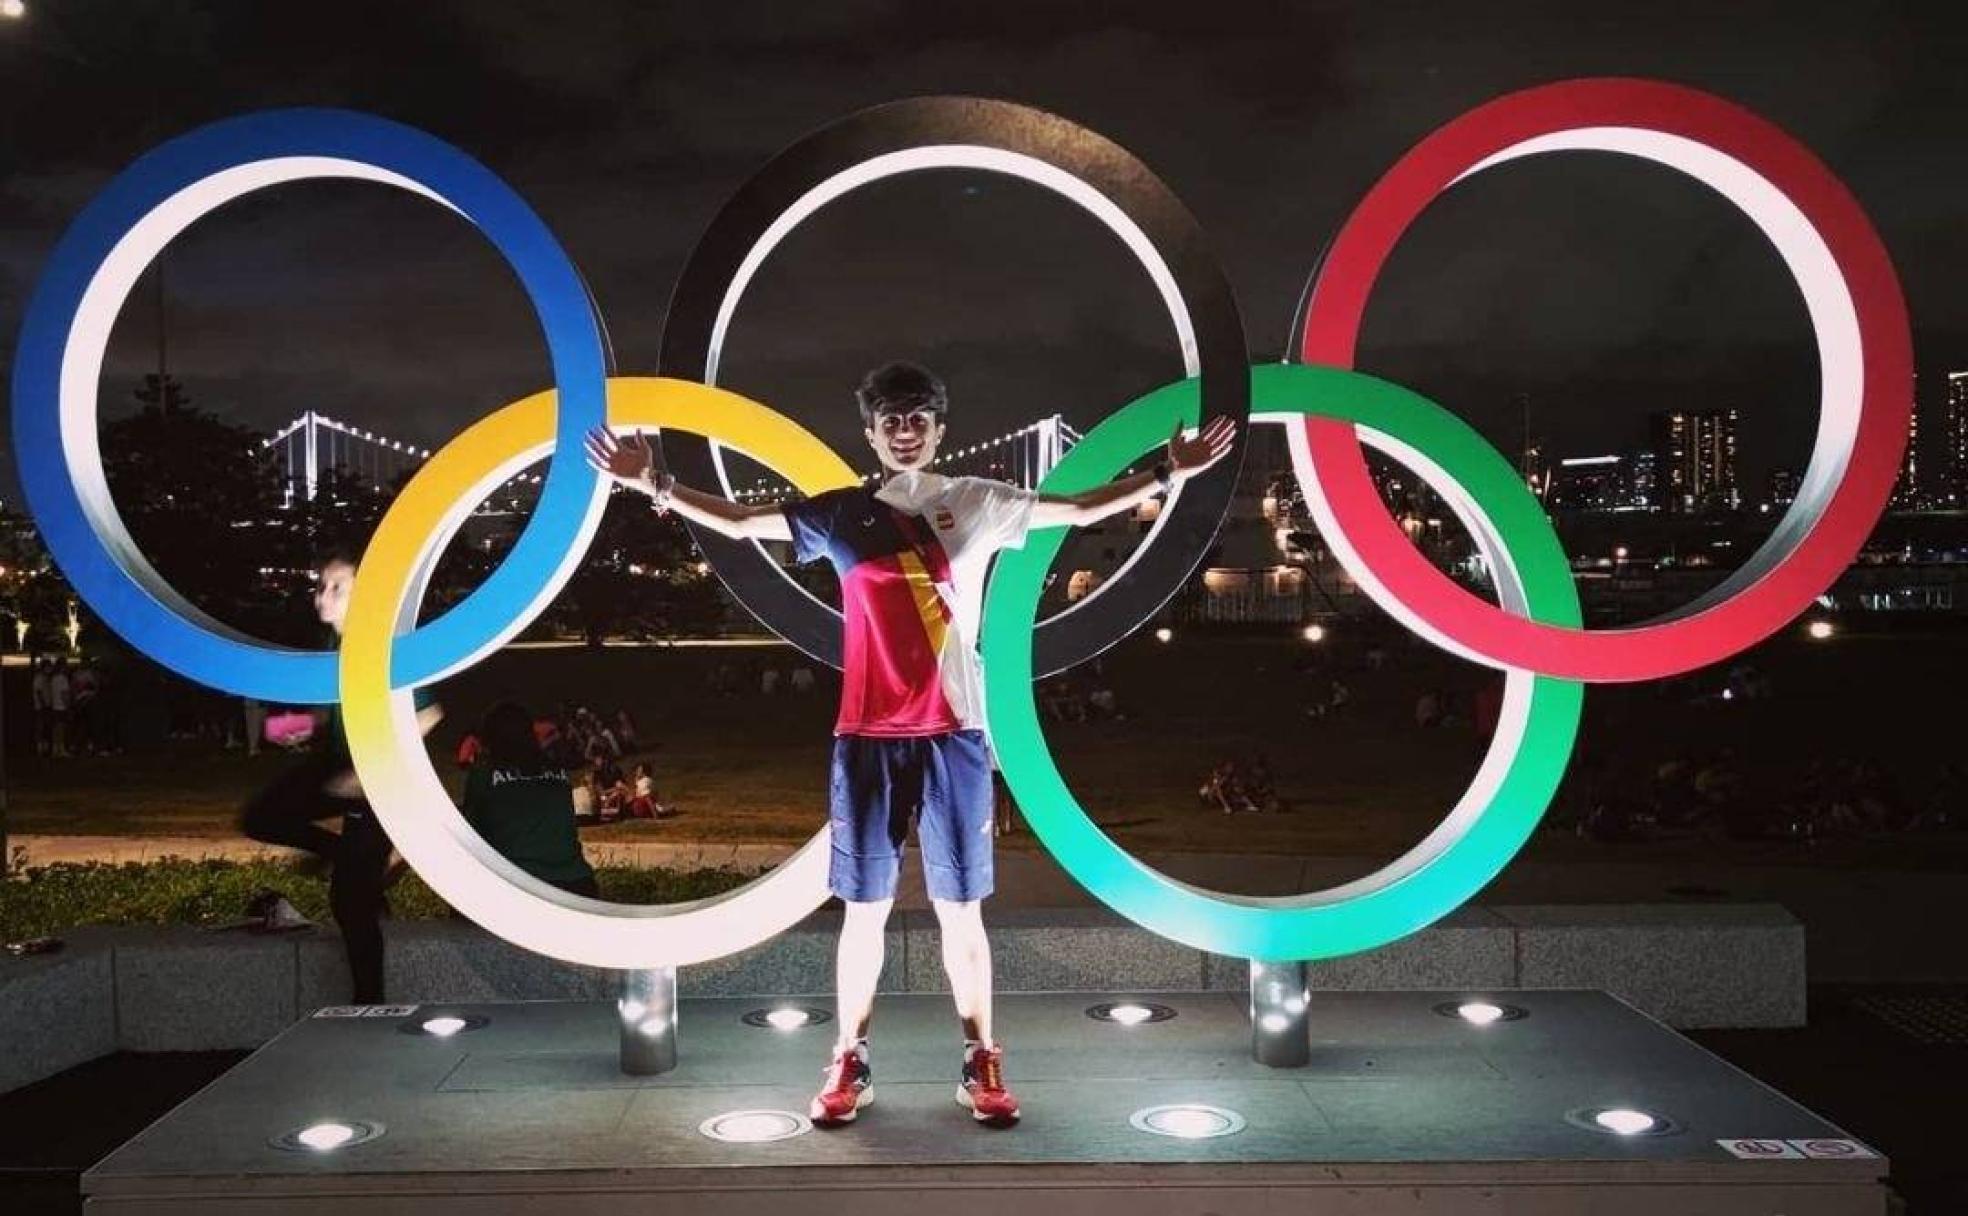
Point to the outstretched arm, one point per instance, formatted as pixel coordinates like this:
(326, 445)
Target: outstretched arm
(1185, 458)
(632, 462)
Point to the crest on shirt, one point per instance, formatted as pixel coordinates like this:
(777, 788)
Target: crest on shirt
(943, 520)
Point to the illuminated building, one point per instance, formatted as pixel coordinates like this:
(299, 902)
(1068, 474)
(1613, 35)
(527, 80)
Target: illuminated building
(1906, 487)
(1695, 453)
(1589, 483)
(1954, 441)
(1783, 488)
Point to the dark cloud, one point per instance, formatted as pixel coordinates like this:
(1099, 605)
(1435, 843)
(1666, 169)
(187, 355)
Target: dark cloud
(1602, 288)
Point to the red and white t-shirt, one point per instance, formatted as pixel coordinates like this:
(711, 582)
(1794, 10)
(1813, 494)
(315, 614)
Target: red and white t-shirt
(912, 559)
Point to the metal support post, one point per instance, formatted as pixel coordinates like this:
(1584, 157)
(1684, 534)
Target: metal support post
(1280, 1034)
(648, 1009)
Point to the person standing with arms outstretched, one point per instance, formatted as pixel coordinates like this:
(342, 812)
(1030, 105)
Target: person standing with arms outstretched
(909, 743)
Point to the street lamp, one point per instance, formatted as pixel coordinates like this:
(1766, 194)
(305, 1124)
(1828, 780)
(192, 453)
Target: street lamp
(13, 10)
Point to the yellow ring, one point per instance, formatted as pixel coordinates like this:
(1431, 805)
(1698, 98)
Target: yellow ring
(388, 749)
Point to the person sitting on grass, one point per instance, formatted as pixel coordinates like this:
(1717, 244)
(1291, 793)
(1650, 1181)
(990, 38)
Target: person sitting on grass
(600, 755)
(642, 797)
(1102, 703)
(1260, 789)
(1224, 789)
(547, 733)
(522, 805)
(591, 800)
(626, 734)
(612, 789)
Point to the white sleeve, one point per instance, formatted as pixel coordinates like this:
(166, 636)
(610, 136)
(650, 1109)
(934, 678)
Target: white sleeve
(1004, 513)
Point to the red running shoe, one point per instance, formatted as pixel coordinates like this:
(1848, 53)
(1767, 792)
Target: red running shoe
(849, 1086)
(983, 1091)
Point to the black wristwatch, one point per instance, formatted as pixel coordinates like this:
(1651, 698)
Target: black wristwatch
(1164, 476)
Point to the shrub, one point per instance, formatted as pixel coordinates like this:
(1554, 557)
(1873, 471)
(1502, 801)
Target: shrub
(39, 900)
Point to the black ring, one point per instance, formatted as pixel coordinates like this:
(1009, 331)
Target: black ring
(1182, 539)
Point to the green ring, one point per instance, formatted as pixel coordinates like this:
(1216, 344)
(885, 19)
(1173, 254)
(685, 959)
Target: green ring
(1454, 862)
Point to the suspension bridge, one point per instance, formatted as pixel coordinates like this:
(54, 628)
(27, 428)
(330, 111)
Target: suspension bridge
(314, 446)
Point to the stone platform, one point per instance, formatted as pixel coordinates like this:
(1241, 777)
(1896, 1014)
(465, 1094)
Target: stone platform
(1402, 1110)
(185, 989)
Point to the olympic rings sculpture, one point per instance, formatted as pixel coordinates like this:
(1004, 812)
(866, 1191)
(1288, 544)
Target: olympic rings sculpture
(1533, 633)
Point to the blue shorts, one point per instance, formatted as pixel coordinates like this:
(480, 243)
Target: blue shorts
(943, 783)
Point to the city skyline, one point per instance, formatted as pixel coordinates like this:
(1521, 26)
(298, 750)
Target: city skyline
(1933, 472)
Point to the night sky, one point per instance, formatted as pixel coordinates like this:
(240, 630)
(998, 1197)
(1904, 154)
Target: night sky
(1603, 288)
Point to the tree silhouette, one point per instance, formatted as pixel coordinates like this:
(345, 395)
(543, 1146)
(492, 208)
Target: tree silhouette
(31, 588)
(641, 577)
(208, 510)
(199, 500)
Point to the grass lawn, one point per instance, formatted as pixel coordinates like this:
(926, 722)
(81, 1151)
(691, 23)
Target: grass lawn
(1366, 783)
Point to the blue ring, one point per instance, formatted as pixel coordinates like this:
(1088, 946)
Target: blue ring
(191, 647)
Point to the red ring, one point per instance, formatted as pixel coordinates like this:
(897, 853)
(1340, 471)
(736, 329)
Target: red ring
(1456, 615)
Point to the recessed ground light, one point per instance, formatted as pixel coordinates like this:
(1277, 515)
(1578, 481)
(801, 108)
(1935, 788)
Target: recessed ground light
(444, 1025)
(1625, 1122)
(1187, 1121)
(324, 1137)
(1129, 1013)
(327, 1136)
(1481, 1013)
(786, 1017)
(755, 1126)
(1622, 1121)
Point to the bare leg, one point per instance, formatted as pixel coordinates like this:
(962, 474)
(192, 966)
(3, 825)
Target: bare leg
(858, 966)
(967, 959)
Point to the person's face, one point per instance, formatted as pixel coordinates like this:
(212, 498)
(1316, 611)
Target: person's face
(331, 593)
(905, 440)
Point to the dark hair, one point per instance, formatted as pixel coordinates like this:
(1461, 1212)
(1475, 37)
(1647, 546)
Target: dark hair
(896, 388)
(335, 557)
(506, 732)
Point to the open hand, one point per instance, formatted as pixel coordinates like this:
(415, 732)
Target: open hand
(1190, 456)
(628, 459)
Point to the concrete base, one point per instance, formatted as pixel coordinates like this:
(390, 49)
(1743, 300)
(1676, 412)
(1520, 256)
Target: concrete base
(1401, 1110)
(183, 989)
(56, 1011)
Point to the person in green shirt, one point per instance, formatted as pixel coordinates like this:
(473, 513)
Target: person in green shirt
(521, 804)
